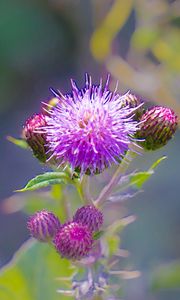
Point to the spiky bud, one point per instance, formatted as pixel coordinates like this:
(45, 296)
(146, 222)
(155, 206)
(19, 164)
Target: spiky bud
(133, 101)
(73, 240)
(157, 127)
(53, 101)
(43, 225)
(35, 139)
(89, 215)
(46, 107)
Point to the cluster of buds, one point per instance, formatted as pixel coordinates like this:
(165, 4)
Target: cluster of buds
(88, 130)
(72, 240)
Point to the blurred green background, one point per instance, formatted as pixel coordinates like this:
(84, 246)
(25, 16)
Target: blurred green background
(45, 43)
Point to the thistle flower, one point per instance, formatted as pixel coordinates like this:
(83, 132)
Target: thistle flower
(89, 215)
(157, 127)
(73, 240)
(43, 225)
(36, 140)
(89, 128)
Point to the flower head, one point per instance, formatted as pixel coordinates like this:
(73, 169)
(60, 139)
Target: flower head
(90, 128)
(43, 225)
(89, 215)
(157, 127)
(36, 140)
(73, 240)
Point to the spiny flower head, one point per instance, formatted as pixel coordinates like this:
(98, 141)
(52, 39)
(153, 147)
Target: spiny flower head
(157, 127)
(89, 128)
(73, 240)
(36, 140)
(43, 225)
(89, 215)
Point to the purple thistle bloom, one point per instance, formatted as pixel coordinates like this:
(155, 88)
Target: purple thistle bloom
(73, 240)
(90, 128)
(43, 225)
(89, 215)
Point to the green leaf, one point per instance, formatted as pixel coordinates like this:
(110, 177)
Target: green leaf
(45, 180)
(138, 179)
(135, 179)
(166, 277)
(34, 273)
(18, 142)
(157, 162)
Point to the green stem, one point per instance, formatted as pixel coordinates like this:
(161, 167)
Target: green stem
(83, 190)
(86, 189)
(107, 190)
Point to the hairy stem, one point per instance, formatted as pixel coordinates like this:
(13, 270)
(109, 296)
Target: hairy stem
(107, 190)
(83, 189)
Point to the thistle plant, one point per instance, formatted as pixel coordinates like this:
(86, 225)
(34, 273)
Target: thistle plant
(81, 135)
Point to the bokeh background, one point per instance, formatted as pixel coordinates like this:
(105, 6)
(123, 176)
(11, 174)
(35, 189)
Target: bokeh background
(45, 43)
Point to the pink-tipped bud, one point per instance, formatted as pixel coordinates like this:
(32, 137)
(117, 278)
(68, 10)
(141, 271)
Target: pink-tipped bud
(36, 140)
(89, 215)
(73, 240)
(157, 127)
(43, 225)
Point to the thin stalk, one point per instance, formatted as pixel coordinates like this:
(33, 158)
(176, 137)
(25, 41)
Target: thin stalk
(107, 190)
(83, 189)
(86, 189)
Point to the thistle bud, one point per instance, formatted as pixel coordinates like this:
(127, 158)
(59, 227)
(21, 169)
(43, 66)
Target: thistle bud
(132, 101)
(35, 139)
(46, 107)
(89, 215)
(157, 127)
(53, 101)
(73, 240)
(43, 225)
